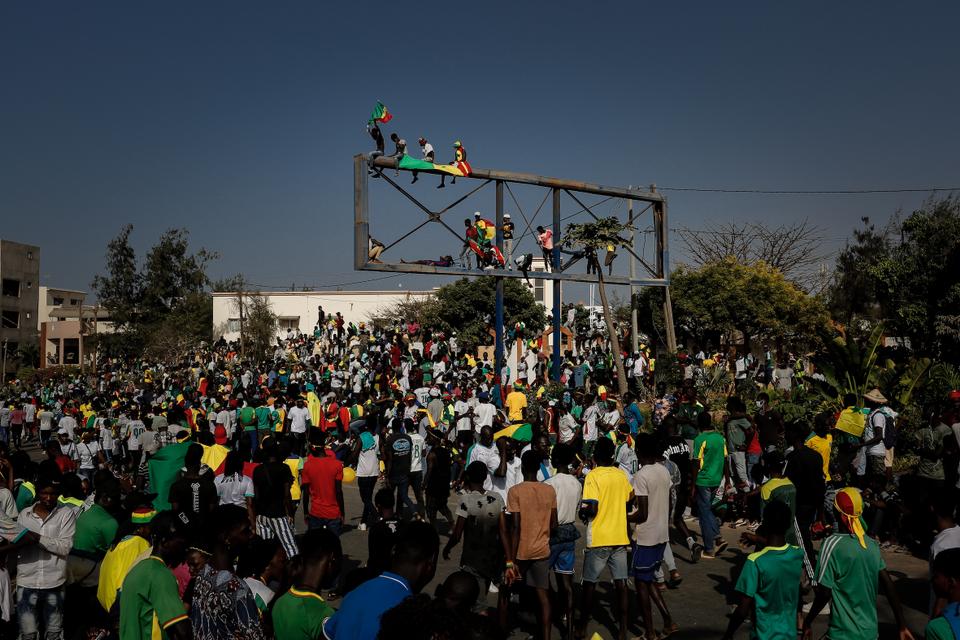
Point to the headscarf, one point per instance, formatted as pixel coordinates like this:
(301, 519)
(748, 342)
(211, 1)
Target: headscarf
(850, 505)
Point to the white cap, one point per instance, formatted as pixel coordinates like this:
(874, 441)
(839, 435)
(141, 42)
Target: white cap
(476, 214)
(506, 215)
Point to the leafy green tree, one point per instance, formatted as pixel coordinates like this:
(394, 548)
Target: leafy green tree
(119, 290)
(468, 307)
(592, 237)
(855, 291)
(919, 280)
(721, 297)
(261, 325)
(160, 306)
(171, 273)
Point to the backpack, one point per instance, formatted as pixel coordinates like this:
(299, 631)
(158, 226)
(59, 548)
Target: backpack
(889, 429)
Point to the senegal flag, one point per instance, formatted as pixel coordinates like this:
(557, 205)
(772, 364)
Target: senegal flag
(459, 169)
(380, 114)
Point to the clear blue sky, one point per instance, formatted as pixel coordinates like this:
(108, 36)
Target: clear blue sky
(238, 120)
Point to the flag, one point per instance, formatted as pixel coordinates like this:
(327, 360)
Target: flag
(380, 114)
(458, 169)
(163, 467)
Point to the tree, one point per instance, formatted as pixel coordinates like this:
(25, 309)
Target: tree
(159, 306)
(792, 248)
(468, 307)
(261, 325)
(855, 291)
(171, 273)
(591, 237)
(237, 285)
(907, 276)
(119, 290)
(919, 280)
(756, 300)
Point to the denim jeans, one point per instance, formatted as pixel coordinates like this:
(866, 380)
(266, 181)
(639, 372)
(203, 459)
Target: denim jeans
(333, 524)
(36, 607)
(708, 522)
(402, 486)
(367, 485)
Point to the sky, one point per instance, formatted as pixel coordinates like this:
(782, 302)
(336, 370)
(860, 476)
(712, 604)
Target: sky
(239, 120)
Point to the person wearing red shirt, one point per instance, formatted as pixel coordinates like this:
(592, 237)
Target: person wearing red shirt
(322, 480)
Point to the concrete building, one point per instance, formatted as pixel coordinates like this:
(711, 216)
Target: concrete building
(298, 310)
(64, 336)
(52, 300)
(19, 296)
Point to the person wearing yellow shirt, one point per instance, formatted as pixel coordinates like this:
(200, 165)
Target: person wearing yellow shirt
(516, 402)
(822, 441)
(607, 497)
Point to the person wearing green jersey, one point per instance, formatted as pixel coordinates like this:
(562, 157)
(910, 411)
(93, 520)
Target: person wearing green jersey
(708, 466)
(769, 583)
(849, 570)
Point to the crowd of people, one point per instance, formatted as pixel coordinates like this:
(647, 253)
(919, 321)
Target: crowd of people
(205, 498)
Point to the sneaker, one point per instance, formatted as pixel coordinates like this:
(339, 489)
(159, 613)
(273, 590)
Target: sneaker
(721, 546)
(696, 553)
(708, 555)
(493, 588)
(362, 527)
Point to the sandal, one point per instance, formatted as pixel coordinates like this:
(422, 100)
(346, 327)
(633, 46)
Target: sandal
(669, 631)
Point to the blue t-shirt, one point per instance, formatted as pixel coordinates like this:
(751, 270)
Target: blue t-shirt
(359, 616)
(633, 417)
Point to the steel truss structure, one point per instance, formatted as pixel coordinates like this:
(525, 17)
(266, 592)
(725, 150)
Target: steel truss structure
(655, 271)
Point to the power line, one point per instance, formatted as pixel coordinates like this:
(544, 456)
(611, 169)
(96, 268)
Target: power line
(814, 192)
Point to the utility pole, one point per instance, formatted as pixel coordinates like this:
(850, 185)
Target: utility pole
(3, 378)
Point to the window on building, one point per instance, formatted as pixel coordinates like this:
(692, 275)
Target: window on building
(29, 284)
(74, 302)
(538, 290)
(28, 315)
(10, 319)
(11, 288)
(57, 301)
(233, 325)
(290, 322)
(29, 255)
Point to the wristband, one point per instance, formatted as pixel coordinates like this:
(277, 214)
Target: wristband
(509, 565)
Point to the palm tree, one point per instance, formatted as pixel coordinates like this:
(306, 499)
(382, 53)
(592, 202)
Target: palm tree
(591, 237)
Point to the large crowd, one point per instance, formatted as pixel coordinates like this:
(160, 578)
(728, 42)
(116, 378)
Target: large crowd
(205, 498)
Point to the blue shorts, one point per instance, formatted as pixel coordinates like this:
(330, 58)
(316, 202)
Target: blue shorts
(562, 557)
(646, 561)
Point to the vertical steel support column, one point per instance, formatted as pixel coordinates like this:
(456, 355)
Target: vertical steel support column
(361, 227)
(498, 349)
(634, 328)
(663, 266)
(555, 372)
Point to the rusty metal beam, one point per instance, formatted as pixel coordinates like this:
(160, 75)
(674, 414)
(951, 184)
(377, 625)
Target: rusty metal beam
(405, 267)
(389, 162)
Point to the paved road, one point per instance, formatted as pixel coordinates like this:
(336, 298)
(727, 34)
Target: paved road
(701, 604)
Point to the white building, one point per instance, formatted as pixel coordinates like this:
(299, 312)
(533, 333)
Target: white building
(299, 310)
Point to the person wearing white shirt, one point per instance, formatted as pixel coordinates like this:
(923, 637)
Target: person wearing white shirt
(484, 412)
(42, 562)
(508, 473)
(485, 452)
(651, 533)
(590, 431)
(233, 487)
(564, 539)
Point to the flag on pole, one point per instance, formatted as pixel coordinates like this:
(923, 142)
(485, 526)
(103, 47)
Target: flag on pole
(380, 114)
